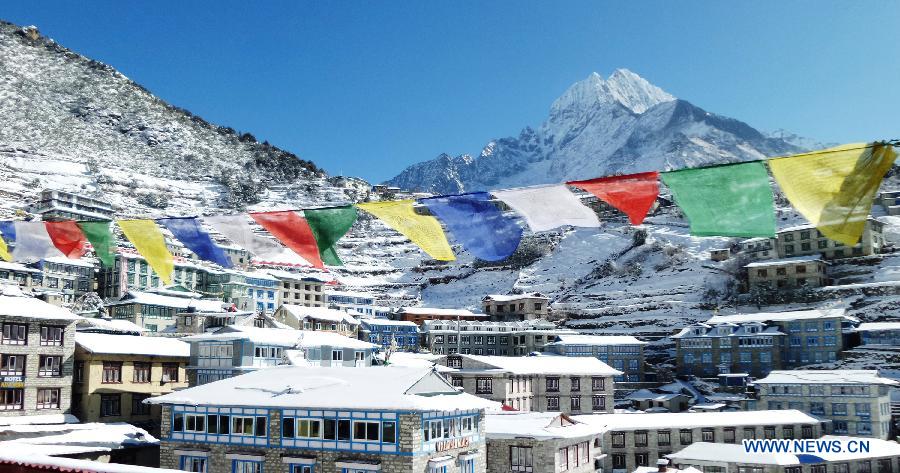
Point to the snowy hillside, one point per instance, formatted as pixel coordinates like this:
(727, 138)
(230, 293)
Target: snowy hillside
(599, 127)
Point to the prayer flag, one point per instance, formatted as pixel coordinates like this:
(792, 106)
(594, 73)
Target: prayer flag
(7, 233)
(33, 243)
(729, 200)
(149, 241)
(101, 239)
(68, 238)
(548, 207)
(423, 230)
(293, 231)
(633, 194)
(834, 188)
(328, 226)
(476, 223)
(237, 229)
(188, 231)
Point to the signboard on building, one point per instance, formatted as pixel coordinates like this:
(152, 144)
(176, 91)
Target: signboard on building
(452, 444)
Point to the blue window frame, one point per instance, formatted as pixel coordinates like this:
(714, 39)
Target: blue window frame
(192, 463)
(247, 466)
(298, 468)
(467, 466)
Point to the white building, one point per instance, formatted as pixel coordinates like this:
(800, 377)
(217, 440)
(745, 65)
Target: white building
(540, 442)
(318, 318)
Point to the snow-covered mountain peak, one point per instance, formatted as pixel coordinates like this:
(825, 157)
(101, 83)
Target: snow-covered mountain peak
(623, 87)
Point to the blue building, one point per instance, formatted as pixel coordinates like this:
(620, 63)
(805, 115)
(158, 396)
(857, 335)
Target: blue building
(880, 333)
(382, 331)
(623, 352)
(310, 420)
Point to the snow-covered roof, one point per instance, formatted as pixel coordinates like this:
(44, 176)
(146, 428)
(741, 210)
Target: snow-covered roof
(417, 360)
(68, 439)
(94, 324)
(148, 298)
(655, 469)
(826, 377)
(784, 261)
(514, 297)
(536, 425)
(40, 460)
(878, 326)
(282, 275)
(8, 266)
(545, 364)
(780, 316)
(807, 226)
(312, 339)
(319, 313)
(38, 419)
(14, 303)
(438, 311)
(85, 263)
(350, 294)
(677, 420)
(377, 387)
(388, 322)
(598, 340)
(102, 343)
(736, 453)
(648, 395)
(257, 335)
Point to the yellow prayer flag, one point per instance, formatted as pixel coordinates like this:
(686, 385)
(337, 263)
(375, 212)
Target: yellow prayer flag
(150, 243)
(4, 251)
(834, 188)
(423, 230)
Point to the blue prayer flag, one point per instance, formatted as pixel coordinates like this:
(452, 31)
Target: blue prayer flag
(189, 232)
(475, 222)
(8, 229)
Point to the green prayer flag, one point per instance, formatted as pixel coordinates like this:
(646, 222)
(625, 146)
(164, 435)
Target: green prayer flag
(328, 226)
(101, 239)
(730, 200)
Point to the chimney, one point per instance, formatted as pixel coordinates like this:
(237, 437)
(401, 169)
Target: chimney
(662, 465)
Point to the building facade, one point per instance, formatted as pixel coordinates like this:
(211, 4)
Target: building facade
(37, 346)
(57, 205)
(787, 274)
(760, 248)
(806, 240)
(158, 312)
(540, 442)
(623, 352)
(516, 307)
(856, 401)
(299, 289)
(466, 337)
(384, 332)
(115, 374)
(359, 302)
(535, 383)
(417, 423)
(879, 333)
(318, 319)
(419, 315)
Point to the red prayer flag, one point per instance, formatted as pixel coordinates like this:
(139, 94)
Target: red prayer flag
(293, 231)
(67, 237)
(633, 194)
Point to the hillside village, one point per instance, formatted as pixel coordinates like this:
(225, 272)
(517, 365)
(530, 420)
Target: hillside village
(619, 349)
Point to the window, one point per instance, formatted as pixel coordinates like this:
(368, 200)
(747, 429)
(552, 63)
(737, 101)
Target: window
(110, 405)
(192, 463)
(366, 431)
(884, 465)
(598, 384)
(112, 372)
(729, 435)
(246, 466)
(194, 423)
(520, 459)
(12, 365)
(457, 382)
(248, 426)
(484, 386)
(576, 384)
(598, 403)
(389, 432)
(769, 431)
(838, 409)
(309, 428)
(618, 439)
(334, 429)
(640, 438)
(708, 435)
(576, 403)
(618, 461)
(552, 403)
(864, 466)
(686, 437)
(48, 398)
(141, 372)
(295, 468)
(52, 336)
(51, 366)
(553, 385)
(138, 408)
(14, 334)
(337, 355)
(641, 459)
(170, 373)
(787, 432)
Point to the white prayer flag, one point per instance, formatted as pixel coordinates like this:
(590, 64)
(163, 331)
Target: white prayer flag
(548, 207)
(33, 243)
(237, 228)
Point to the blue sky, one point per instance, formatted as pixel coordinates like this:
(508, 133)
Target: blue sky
(366, 88)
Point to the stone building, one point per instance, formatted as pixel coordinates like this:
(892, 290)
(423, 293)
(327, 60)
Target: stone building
(805, 240)
(37, 345)
(318, 319)
(73, 278)
(760, 248)
(157, 312)
(630, 441)
(540, 442)
(419, 315)
(758, 343)
(299, 289)
(879, 333)
(114, 374)
(856, 401)
(878, 456)
(890, 200)
(623, 352)
(130, 271)
(325, 420)
(787, 274)
(384, 332)
(55, 205)
(469, 337)
(513, 307)
(535, 383)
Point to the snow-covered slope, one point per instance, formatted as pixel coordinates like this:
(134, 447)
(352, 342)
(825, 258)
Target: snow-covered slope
(599, 127)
